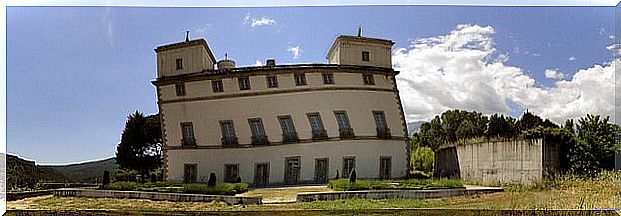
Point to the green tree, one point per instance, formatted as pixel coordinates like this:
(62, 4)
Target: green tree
(569, 125)
(596, 141)
(529, 121)
(140, 148)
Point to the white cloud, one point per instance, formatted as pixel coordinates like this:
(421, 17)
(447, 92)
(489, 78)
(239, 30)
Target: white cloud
(461, 70)
(572, 58)
(202, 31)
(295, 51)
(616, 48)
(260, 21)
(612, 37)
(257, 63)
(553, 74)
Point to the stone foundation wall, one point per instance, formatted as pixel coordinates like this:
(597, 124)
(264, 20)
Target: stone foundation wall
(173, 197)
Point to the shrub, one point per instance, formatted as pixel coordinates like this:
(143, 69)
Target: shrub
(123, 186)
(352, 176)
(422, 159)
(218, 189)
(337, 175)
(212, 180)
(238, 180)
(125, 175)
(106, 178)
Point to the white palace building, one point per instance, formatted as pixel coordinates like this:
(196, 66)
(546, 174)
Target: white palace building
(281, 124)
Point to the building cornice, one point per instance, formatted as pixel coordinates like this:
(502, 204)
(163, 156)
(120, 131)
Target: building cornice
(330, 139)
(265, 70)
(273, 92)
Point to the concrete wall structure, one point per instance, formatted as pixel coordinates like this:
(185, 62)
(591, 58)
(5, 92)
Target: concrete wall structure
(498, 161)
(362, 89)
(393, 194)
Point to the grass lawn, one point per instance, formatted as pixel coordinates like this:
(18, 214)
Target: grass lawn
(563, 193)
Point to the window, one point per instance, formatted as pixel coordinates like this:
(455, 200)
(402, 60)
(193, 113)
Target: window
(288, 130)
(179, 63)
(228, 133)
(187, 134)
(321, 170)
(272, 82)
(180, 88)
(380, 124)
(258, 132)
(328, 78)
(317, 126)
(368, 79)
(345, 129)
(244, 83)
(300, 79)
(385, 167)
(231, 172)
(261, 174)
(365, 56)
(349, 164)
(292, 170)
(216, 86)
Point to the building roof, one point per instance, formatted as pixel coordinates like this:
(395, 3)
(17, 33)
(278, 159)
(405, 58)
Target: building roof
(342, 38)
(187, 44)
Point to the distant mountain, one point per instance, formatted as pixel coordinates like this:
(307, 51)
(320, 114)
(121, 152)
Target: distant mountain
(414, 127)
(22, 173)
(85, 172)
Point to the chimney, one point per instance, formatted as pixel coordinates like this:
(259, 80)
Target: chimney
(270, 63)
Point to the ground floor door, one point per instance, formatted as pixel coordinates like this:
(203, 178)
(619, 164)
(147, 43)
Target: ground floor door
(292, 170)
(261, 174)
(385, 167)
(321, 170)
(189, 173)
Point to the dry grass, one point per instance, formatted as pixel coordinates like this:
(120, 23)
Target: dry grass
(568, 192)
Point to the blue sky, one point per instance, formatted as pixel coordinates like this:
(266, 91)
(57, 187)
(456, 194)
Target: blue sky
(75, 73)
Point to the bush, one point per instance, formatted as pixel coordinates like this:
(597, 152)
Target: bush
(422, 159)
(238, 180)
(352, 176)
(123, 186)
(345, 185)
(106, 178)
(218, 189)
(212, 180)
(125, 175)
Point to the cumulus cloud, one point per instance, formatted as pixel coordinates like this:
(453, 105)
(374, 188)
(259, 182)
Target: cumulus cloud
(572, 58)
(260, 21)
(462, 70)
(553, 74)
(257, 63)
(295, 51)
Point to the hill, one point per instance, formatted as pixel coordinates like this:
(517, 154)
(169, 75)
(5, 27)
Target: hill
(22, 173)
(85, 172)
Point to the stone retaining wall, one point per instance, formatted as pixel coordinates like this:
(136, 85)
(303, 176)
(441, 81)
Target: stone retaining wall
(389, 194)
(174, 197)
(10, 196)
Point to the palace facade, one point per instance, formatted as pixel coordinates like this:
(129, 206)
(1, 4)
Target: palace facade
(281, 124)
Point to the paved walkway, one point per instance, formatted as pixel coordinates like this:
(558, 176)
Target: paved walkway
(282, 195)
